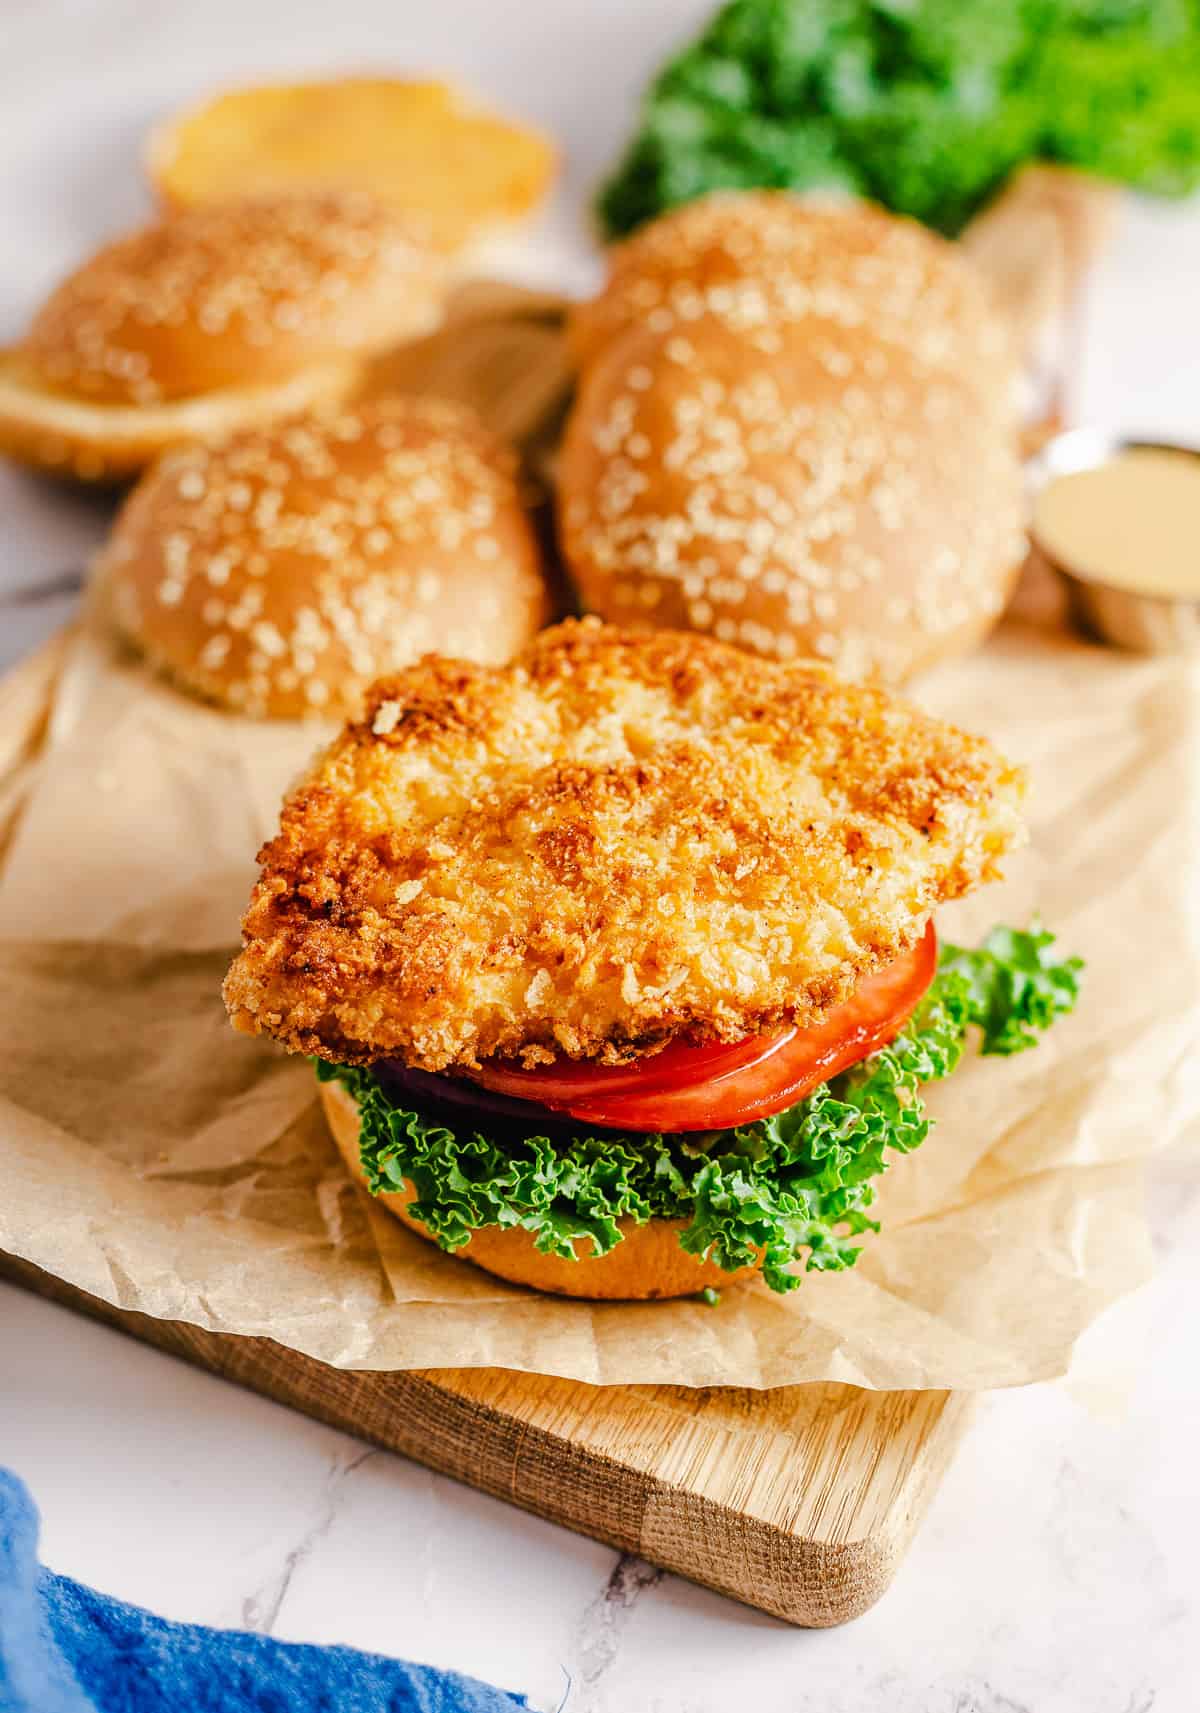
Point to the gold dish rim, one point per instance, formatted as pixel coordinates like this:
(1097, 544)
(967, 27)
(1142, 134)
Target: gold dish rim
(1078, 449)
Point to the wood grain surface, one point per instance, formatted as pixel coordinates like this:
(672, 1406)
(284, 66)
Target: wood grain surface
(800, 1501)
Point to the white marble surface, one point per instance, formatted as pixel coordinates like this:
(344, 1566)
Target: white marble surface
(1056, 1572)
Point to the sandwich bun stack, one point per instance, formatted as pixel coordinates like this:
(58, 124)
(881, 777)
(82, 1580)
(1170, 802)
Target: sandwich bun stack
(210, 319)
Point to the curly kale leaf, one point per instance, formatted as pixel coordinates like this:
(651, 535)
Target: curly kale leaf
(1015, 987)
(795, 1187)
(926, 107)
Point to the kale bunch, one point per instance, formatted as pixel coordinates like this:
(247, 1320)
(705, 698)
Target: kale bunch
(926, 106)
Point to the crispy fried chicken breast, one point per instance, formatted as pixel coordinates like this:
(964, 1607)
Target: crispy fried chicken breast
(618, 840)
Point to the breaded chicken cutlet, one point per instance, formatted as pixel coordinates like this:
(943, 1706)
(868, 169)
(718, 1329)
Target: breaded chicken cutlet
(618, 841)
(617, 962)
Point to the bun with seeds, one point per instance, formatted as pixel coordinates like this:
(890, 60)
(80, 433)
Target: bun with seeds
(760, 260)
(211, 319)
(281, 570)
(794, 430)
(598, 952)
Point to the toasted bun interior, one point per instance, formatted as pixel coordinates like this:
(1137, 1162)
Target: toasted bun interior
(647, 1264)
(422, 147)
(107, 443)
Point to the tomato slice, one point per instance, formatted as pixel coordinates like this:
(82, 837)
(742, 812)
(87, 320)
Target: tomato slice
(716, 1088)
(677, 1066)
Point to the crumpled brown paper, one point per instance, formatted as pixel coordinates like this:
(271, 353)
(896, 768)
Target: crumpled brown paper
(158, 1160)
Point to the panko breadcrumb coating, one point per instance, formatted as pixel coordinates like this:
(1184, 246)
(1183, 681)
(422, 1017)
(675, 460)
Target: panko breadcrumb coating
(616, 841)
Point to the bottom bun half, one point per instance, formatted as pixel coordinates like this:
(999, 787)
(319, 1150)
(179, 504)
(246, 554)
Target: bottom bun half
(648, 1262)
(92, 442)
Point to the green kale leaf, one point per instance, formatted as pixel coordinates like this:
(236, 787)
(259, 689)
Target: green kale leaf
(796, 1187)
(925, 106)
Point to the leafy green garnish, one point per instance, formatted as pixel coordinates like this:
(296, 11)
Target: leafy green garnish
(923, 105)
(1015, 987)
(794, 1186)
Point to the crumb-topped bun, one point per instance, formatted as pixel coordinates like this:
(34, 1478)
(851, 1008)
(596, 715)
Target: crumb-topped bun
(647, 1264)
(759, 260)
(231, 313)
(813, 490)
(282, 569)
(616, 841)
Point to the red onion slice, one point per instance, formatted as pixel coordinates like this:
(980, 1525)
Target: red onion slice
(399, 1079)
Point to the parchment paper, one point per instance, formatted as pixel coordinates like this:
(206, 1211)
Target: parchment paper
(157, 1160)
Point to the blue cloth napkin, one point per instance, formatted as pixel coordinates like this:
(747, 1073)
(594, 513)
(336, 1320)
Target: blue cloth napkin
(66, 1649)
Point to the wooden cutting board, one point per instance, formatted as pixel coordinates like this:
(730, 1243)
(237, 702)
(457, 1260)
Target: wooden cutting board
(800, 1501)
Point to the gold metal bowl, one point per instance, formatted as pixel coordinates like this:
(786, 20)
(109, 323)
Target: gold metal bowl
(1129, 618)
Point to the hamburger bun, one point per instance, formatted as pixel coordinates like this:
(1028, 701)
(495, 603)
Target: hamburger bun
(219, 316)
(282, 569)
(763, 260)
(111, 443)
(422, 147)
(648, 1262)
(802, 489)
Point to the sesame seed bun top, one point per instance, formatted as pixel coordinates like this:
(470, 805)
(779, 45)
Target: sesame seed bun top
(760, 260)
(282, 569)
(810, 489)
(235, 294)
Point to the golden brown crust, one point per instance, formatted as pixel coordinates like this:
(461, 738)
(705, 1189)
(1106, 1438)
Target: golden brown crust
(617, 841)
(235, 295)
(283, 569)
(761, 260)
(809, 492)
(647, 1264)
